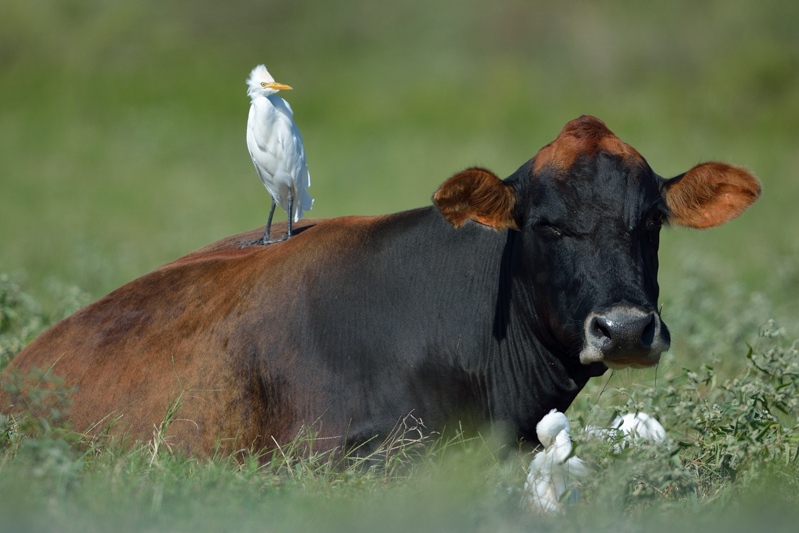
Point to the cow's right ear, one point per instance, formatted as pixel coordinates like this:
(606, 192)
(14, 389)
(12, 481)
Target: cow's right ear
(710, 194)
(477, 194)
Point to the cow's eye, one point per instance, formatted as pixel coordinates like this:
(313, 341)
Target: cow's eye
(653, 225)
(548, 228)
(655, 222)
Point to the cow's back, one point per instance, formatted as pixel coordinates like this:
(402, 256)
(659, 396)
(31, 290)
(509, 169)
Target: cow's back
(162, 341)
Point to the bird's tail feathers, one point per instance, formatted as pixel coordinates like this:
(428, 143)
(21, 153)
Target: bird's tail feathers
(304, 204)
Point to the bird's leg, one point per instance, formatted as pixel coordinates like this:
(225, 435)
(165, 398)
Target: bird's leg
(291, 211)
(265, 239)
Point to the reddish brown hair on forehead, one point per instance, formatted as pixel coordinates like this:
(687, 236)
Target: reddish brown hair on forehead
(583, 136)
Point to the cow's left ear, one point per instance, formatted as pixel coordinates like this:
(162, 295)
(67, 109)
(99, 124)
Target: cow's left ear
(710, 194)
(477, 194)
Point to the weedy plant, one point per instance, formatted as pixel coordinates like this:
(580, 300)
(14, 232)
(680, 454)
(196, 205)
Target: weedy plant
(22, 318)
(726, 435)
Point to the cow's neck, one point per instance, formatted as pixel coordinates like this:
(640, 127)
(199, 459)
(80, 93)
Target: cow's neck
(523, 373)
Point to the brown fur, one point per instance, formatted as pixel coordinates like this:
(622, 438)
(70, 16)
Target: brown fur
(163, 338)
(582, 137)
(477, 194)
(710, 194)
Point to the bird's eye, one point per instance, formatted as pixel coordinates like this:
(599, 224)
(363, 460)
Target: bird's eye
(263, 84)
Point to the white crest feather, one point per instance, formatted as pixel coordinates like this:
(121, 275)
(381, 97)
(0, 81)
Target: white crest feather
(257, 76)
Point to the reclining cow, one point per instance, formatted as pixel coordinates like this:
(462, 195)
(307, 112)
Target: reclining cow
(495, 305)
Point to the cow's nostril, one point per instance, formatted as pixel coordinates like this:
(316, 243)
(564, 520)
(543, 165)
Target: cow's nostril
(601, 329)
(600, 334)
(648, 334)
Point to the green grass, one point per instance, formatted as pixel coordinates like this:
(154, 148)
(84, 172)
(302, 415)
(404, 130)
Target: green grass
(122, 129)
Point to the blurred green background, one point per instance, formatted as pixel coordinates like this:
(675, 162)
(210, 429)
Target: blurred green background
(122, 123)
(122, 147)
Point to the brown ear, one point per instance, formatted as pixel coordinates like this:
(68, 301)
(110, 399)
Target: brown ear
(477, 194)
(710, 194)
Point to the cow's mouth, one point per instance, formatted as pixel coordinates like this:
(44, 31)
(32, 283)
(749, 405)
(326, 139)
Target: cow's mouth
(624, 336)
(632, 362)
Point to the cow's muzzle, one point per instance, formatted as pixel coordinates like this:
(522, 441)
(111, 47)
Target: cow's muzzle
(624, 336)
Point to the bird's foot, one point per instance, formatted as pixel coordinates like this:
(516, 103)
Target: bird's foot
(258, 242)
(263, 242)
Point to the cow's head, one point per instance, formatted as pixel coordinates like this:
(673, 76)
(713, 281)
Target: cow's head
(589, 211)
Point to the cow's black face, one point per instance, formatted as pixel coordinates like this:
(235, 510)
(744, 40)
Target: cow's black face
(590, 237)
(589, 211)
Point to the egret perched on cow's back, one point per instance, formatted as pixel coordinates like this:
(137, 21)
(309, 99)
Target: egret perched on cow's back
(276, 149)
(554, 471)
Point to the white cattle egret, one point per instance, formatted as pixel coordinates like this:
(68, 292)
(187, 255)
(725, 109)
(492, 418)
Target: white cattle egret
(276, 148)
(639, 426)
(634, 427)
(553, 472)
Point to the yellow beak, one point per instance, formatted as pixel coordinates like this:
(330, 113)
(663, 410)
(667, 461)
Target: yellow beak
(278, 86)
